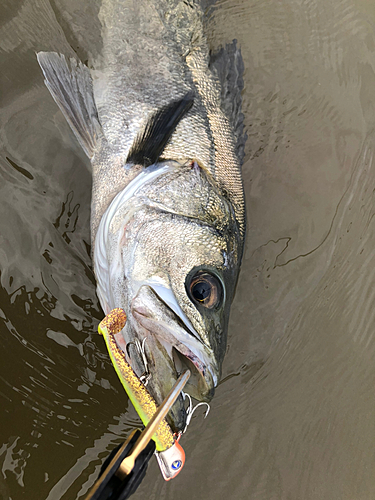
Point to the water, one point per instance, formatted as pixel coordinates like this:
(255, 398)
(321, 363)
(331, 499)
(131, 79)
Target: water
(294, 415)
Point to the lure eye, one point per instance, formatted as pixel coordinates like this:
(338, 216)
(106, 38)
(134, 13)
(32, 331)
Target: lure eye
(205, 289)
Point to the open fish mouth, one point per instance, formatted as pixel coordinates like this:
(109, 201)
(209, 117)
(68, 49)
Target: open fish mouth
(170, 348)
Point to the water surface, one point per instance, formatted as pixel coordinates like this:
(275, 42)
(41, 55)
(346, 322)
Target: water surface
(293, 417)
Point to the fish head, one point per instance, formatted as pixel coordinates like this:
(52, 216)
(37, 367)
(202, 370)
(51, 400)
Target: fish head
(173, 252)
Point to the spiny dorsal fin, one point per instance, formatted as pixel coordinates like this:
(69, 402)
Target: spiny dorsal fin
(70, 85)
(228, 66)
(150, 143)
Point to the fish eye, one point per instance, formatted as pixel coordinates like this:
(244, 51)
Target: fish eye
(205, 289)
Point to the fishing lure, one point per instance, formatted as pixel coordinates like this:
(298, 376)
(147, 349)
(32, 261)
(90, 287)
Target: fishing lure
(169, 453)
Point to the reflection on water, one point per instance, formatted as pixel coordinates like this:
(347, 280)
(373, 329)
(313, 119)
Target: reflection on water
(294, 415)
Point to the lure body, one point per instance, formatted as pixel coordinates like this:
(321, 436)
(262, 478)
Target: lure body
(141, 399)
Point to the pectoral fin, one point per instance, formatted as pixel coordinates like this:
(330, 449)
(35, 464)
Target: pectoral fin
(70, 84)
(150, 142)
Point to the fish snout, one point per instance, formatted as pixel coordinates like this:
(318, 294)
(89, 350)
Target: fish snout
(174, 339)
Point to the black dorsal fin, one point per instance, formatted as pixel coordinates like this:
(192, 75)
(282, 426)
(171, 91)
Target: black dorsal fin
(150, 143)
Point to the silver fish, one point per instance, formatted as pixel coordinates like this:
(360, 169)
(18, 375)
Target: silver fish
(168, 213)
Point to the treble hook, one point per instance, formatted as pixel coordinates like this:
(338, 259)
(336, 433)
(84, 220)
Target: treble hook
(146, 375)
(190, 409)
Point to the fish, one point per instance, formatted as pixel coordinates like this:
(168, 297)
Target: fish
(168, 211)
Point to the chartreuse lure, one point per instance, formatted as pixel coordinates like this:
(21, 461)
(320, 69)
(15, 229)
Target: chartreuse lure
(143, 402)
(169, 453)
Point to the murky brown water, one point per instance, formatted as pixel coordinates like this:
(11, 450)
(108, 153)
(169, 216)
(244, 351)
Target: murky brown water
(294, 417)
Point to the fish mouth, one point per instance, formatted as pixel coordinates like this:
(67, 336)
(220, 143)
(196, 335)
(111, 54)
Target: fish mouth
(170, 348)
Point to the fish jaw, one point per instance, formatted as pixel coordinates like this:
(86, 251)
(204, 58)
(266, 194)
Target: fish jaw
(175, 336)
(170, 347)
